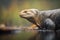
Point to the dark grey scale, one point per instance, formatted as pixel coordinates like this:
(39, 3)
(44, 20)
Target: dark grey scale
(57, 21)
(53, 21)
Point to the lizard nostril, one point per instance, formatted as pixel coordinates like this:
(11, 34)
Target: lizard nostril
(25, 11)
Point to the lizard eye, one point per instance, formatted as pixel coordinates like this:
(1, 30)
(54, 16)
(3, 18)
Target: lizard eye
(25, 11)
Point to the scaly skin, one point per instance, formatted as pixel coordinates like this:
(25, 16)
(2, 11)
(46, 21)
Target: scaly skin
(46, 19)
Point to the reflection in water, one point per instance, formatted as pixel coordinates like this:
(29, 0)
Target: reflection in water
(44, 35)
(57, 35)
(39, 35)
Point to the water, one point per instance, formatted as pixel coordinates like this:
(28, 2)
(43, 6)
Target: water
(31, 35)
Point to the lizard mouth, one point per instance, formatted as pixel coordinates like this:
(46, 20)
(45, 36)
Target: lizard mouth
(22, 16)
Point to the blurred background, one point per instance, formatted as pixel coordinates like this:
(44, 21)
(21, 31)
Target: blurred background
(9, 10)
(9, 17)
